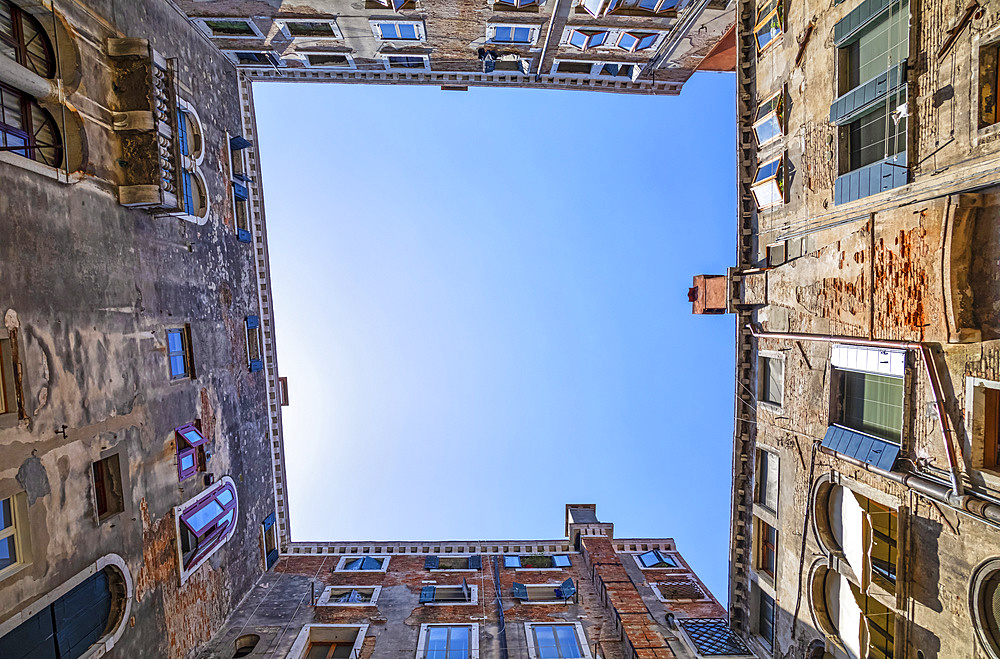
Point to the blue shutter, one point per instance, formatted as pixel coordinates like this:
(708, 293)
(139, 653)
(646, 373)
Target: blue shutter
(465, 591)
(426, 594)
(369, 563)
(865, 96)
(253, 322)
(860, 446)
(560, 560)
(243, 236)
(33, 638)
(240, 191)
(239, 142)
(520, 591)
(431, 563)
(872, 179)
(475, 562)
(849, 26)
(354, 597)
(81, 615)
(566, 589)
(272, 556)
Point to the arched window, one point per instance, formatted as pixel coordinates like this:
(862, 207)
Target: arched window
(863, 532)
(23, 40)
(27, 129)
(68, 627)
(864, 626)
(985, 602)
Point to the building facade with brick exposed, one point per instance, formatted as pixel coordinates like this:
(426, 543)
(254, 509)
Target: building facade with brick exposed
(588, 594)
(137, 489)
(625, 46)
(866, 493)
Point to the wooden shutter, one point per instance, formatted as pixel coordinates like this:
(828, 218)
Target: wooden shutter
(991, 440)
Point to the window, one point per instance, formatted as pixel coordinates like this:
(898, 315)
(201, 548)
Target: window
(189, 135)
(545, 640)
(204, 524)
(537, 562)
(191, 456)
(108, 487)
(768, 123)
(71, 625)
(853, 616)
(655, 559)
(398, 31)
(328, 641)
(767, 480)
(8, 397)
(885, 530)
(363, 564)
(320, 29)
(989, 83)
(448, 642)
(513, 34)
(620, 70)
(179, 352)
(770, 23)
(269, 541)
(872, 404)
(767, 548)
(633, 41)
(862, 531)
(240, 180)
(328, 60)
(765, 618)
(584, 39)
(453, 562)
(255, 344)
(458, 594)
(640, 6)
(769, 184)
(872, 47)
(26, 129)
(580, 68)
(982, 408)
(985, 601)
(23, 40)
(679, 589)
(544, 593)
(876, 135)
(398, 5)
(349, 596)
(770, 379)
(229, 28)
(407, 62)
(253, 57)
(14, 546)
(515, 4)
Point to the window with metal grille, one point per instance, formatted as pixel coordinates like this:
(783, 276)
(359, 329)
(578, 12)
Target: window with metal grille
(23, 39)
(713, 637)
(682, 588)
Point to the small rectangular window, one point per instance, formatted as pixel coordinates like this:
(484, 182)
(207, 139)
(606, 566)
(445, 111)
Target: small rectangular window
(179, 352)
(311, 29)
(991, 428)
(544, 593)
(768, 123)
(872, 404)
(768, 186)
(191, 454)
(679, 589)
(329, 61)
(406, 62)
(767, 480)
(8, 400)
(269, 531)
(584, 39)
(255, 344)
(519, 34)
(398, 31)
(771, 379)
(363, 564)
(765, 618)
(989, 84)
(767, 548)
(578, 68)
(108, 487)
(458, 594)
(512, 561)
(230, 28)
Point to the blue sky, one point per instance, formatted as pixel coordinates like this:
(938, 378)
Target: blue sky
(480, 304)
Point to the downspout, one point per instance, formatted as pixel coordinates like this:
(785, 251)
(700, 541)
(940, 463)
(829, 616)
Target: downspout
(541, 59)
(953, 497)
(930, 368)
(22, 79)
(503, 627)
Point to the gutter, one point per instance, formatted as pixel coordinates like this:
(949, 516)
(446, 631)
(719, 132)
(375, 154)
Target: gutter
(545, 47)
(954, 496)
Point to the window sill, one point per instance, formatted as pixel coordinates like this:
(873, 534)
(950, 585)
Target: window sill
(439, 569)
(451, 603)
(13, 570)
(543, 602)
(539, 569)
(37, 167)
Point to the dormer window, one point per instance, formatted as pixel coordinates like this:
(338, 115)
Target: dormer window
(655, 559)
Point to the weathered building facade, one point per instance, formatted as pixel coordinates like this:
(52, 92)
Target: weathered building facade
(136, 475)
(586, 595)
(866, 493)
(631, 46)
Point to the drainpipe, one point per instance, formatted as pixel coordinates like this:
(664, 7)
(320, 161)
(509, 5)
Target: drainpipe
(503, 627)
(18, 77)
(545, 44)
(958, 489)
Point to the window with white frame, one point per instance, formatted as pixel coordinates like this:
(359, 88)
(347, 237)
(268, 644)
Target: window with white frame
(349, 596)
(584, 39)
(766, 480)
(603, 7)
(551, 593)
(461, 593)
(982, 421)
(448, 641)
(419, 62)
(512, 34)
(610, 70)
(769, 121)
(253, 57)
(770, 379)
(363, 564)
(398, 5)
(319, 60)
(509, 5)
(537, 562)
(768, 185)
(454, 563)
(398, 30)
(229, 27)
(328, 642)
(309, 28)
(556, 640)
(636, 41)
(15, 544)
(655, 560)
